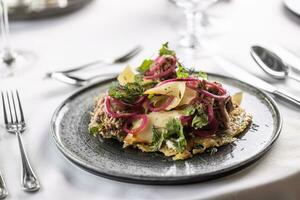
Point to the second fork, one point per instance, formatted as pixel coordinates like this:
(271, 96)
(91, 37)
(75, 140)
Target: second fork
(15, 123)
(120, 59)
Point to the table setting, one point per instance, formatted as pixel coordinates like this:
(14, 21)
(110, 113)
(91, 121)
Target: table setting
(179, 99)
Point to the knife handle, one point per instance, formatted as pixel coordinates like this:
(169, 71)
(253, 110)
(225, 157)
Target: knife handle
(285, 95)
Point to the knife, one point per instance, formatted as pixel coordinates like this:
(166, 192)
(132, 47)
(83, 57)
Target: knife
(249, 78)
(288, 57)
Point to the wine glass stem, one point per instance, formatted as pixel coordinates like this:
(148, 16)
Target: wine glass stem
(7, 52)
(189, 39)
(190, 18)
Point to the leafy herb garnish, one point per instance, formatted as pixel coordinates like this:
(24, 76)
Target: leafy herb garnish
(182, 72)
(145, 66)
(190, 110)
(164, 50)
(94, 129)
(157, 139)
(199, 121)
(202, 75)
(173, 132)
(200, 118)
(175, 128)
(139, 78)
(128, 92)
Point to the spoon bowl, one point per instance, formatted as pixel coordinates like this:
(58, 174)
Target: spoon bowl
(271, 63)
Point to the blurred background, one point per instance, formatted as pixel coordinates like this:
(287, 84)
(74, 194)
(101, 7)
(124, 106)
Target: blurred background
(67, 33)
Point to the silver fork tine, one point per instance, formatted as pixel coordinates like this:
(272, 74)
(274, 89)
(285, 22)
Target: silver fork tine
(20, 107)
(9, 107)
(119, 59)
(4, 109)
(130, 54)
(3, 190)
(30, 182)
(14, 106)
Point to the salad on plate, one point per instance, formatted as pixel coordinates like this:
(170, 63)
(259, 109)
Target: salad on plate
(168, 108)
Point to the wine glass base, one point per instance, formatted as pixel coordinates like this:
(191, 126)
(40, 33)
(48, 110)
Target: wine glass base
(21, 63)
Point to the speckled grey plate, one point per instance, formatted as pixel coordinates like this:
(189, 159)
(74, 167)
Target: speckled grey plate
(45, 9)
(107, 158)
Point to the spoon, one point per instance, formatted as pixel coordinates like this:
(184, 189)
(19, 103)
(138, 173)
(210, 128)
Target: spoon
(272, 64)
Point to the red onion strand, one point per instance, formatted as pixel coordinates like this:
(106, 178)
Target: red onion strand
(110, 111)
(139, 129)
(162, 107)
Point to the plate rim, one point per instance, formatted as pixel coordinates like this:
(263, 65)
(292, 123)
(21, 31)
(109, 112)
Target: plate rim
(50, 12)
(165, 180)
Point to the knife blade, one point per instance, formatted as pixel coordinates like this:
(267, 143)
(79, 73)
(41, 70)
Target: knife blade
(249, 78)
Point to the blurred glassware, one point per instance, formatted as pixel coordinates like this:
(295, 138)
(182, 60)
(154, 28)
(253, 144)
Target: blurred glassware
(191, 9)
(28, 9)
(210, 23)
(196, 20)
(293, 6)
(12, 61)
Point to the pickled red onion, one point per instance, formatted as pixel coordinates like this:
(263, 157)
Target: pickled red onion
(141, 127)
(162, 107)
(113, 114)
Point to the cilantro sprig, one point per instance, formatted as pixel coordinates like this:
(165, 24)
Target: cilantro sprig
(173, 132)
(164, 50)
(200, 118)
(128, 92)
(145, 66)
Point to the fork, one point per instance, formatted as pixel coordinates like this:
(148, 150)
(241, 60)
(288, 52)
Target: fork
(120, 59)
(77, 81)
(15, 123)
(3, 190)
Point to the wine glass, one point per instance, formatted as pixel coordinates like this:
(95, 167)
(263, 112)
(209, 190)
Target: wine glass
(194, 11)
(12, 61)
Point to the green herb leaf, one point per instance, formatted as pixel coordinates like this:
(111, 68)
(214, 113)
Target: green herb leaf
(164, 50)
(194, 109)
(173, 132)
(94, 129)
(202, 75)
(190, 110)
(200, 118)
(157, 139)
(175, 128)
(180, 144)
(145, 66)
(127, 93)
(200, 121)
(138, 78)
(182, 72)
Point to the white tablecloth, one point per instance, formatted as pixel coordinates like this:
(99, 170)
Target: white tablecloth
(110, 27)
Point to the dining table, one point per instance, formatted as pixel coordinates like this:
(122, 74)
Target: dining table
(106, 28)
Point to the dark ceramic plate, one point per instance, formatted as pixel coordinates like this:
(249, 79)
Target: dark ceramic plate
(46, 9)
(107, 157)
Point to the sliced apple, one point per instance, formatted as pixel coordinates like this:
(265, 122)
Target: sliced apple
(127, 76)
(237, 98)
(188, 96)
(175, 89)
